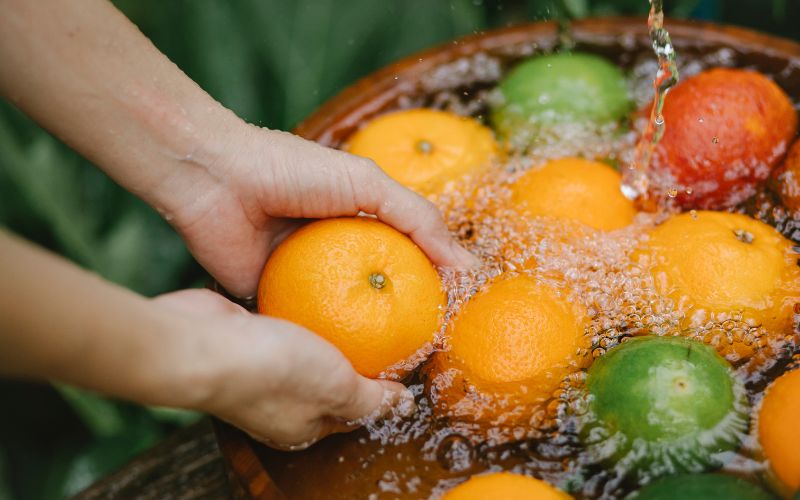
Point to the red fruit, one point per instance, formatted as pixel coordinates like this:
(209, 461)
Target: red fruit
(725, 131)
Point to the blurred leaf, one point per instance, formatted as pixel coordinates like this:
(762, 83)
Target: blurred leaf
(577, 8)
(48, 188)
(101, 416)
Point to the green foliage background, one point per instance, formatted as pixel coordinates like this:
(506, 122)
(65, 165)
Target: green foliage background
(273, 62)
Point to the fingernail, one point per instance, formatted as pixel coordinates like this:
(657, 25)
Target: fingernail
(464, 257)
(405, 406)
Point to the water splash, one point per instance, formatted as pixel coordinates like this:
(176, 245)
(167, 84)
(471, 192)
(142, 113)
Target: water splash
(636, 182)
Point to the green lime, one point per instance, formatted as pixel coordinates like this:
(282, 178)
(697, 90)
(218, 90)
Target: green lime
(701, 487)
(663, 405)
(560, 88)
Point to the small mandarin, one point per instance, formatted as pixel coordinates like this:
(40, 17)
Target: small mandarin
(778, 429)
(717, 265)
(425, 149)
(360, 284)
(510, 347)
(505, 486)
(575, 189)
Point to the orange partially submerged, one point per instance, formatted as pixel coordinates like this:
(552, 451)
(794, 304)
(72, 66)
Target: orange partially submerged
(575, 189)
(778, 429)
(510, 347)
(425, 149)
(360, 284)
(719, 267)
(505, 486)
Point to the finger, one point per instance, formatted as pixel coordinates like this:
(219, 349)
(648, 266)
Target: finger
(409, 213)
(199, 301)
(373, 399)
(422, 222)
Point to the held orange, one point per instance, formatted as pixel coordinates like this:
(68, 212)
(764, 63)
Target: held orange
(360, 284)
(575, 189)
(424, 149)
(778, 428)
(510, 347)
(717, 266)
(505, 486)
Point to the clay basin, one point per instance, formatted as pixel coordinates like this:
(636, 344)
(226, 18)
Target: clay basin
(336, 467)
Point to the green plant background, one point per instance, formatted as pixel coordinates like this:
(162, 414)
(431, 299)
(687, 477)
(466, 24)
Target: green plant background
(273, 62)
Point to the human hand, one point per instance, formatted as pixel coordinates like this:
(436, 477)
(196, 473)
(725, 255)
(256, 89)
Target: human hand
(266, 182)
(282, 384)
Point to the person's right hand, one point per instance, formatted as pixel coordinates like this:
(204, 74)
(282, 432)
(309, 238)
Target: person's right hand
(282, 384)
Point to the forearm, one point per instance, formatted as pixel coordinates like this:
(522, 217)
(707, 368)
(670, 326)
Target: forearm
(60, 322)
(87, 74)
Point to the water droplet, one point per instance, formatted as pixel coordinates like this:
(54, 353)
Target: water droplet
(672, 192)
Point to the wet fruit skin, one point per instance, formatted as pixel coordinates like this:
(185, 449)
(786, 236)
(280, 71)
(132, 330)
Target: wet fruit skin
(779, 428)
(726, 129)
(717, 264)
(561, 88)
(788, 178)
(701, 487)
(574, 189)
(508, 349)
(425, 149)
(358, 283)
(665, 397)
(505, 486)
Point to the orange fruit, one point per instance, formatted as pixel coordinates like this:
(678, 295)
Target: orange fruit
(575, 189)
(424, 149)
(507, 352)
(717, 265)
(360, 284)
(778, 428)
(726, 129)
(505, 486)
(789, 178)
